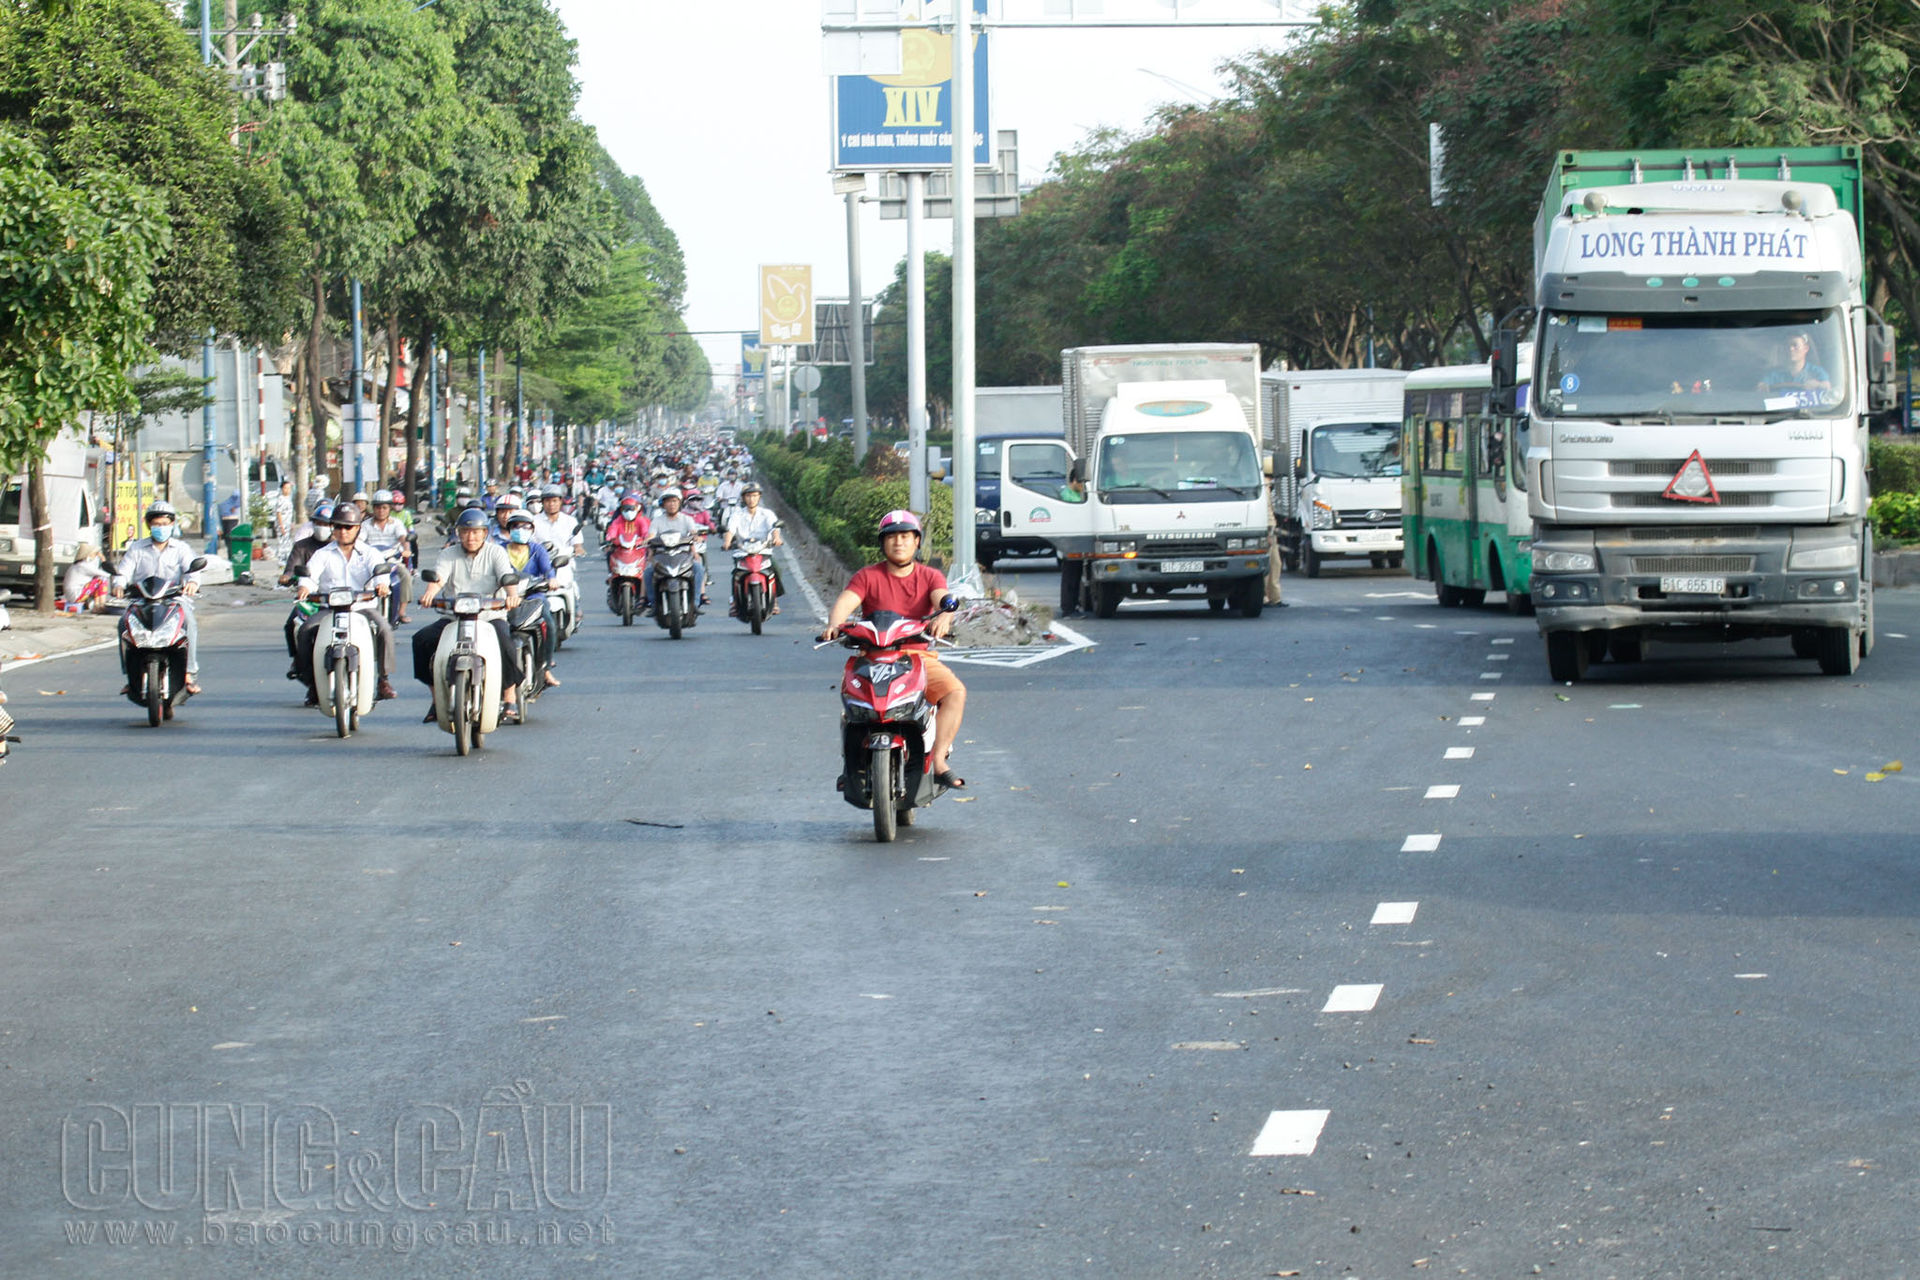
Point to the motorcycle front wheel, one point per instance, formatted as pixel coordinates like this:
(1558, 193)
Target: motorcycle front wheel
(156, 690)
(880, 773)
(626, 604)
(756, 606)
(342, 698)
(461, 712)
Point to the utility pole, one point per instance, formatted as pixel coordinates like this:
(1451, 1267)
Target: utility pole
(480, 467)
(856, 326)
(917, 484)
(359, 405)
(963, 345)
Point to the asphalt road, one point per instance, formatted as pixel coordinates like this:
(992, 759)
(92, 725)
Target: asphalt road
(633, 992)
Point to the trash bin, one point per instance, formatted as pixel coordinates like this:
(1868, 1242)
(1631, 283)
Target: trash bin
(240, 552)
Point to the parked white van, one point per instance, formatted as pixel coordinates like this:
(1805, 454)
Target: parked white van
(72, 496)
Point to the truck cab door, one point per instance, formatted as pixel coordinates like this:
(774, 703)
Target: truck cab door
(1032, 475)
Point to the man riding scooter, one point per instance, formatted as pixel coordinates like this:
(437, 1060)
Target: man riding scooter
(346, 563)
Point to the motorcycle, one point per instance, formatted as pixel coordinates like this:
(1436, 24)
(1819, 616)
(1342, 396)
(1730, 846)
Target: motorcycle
(563, 597)
(626, 577)
(466, 668)
(533, 681)
(674, 556)
(153, 645)
(341, 677)
(886, 722)
(754, 586)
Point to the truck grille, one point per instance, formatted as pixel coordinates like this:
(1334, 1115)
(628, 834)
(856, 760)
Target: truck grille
(1692, 533)
(1693, 564)
(1719, 467)
(1667, 504)
(1371, 518)
(1184, 547)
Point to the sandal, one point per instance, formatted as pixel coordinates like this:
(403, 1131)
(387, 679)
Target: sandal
(948, 778)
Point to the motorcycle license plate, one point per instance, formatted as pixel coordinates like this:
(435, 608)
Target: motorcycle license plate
(1182, 566)
(1693, 586)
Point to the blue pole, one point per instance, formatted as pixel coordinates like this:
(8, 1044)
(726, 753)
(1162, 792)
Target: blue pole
(433, 414)
(480, 467)
(210, 522)
(359, 421)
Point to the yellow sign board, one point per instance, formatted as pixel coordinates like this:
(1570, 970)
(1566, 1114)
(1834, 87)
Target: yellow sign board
(786, 306)
(129, 500)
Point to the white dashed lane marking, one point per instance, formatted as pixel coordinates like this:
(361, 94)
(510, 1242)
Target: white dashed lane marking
(1504, 640)
(1290, 1133)
(1459, 753)
(1394, 913)
(1472, 722)
(1443, 791)
(1355, 997)
(1490, 675)
(1499, 657)
(1484, 697)
(1420, 844)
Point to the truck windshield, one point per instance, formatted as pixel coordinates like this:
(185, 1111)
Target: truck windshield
(1656, 368)
(1355, 450)
(1192, 466)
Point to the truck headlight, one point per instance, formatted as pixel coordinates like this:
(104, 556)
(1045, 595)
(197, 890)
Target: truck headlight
(984, 515)
(1827, 558)
(1321, 516)
(1545, 561)
(1115, 548)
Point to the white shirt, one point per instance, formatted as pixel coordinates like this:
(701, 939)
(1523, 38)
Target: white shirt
(145, 558)
(382, 537)
(561, 533)
(334, 566)
(752, 526)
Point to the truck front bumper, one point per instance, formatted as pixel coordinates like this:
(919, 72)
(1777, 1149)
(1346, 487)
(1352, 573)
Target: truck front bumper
(1711, 587)
(1358, 542)
(1141, 572)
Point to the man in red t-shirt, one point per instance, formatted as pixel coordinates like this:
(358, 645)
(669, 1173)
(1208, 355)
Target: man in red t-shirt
(901, 584)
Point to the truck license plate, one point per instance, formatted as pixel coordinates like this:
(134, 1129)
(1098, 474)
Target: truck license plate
(1182, 566)
(1693, 586)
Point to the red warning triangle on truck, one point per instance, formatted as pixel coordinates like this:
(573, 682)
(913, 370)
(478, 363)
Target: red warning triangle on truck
(1692, 482)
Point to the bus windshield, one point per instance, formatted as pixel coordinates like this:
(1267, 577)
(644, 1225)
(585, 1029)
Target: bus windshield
(1354, 450)
(1192, 466)
(1656, 368)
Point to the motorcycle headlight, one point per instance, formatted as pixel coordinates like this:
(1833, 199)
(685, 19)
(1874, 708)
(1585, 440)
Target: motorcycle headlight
(467, 606)
(339, 597)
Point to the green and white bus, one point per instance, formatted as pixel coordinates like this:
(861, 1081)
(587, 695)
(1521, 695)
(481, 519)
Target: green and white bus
(1463, 489)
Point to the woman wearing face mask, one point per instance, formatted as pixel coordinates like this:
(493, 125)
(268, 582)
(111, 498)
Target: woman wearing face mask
(530, 560)
(163, 554)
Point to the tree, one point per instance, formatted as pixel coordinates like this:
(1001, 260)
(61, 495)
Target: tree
(77, 265)
(117, 86)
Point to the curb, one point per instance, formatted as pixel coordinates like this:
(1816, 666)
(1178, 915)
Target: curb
(1897, 568)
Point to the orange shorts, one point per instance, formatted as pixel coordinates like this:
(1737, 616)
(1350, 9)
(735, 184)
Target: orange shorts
(940, 678)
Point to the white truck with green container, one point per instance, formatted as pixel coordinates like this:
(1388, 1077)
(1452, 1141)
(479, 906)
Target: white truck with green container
(1704, 363)
(1168, 441)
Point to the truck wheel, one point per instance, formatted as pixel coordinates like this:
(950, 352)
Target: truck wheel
(1396, 561)
(1311, 559)
(1806, 644)
(1253, 598)
(1447, 594)
(1566, 656)
(1376, 560)
(1106, 599)
(1839, 651)
(1520, 604)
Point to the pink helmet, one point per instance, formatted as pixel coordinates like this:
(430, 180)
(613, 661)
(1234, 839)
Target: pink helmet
(900, 521)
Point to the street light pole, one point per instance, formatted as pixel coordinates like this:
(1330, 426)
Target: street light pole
(963, 345)
(359, 419)
(917, 494)
(856, 328)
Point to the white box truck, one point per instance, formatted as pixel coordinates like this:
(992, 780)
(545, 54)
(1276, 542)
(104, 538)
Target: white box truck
(1168, 440)
(1705, 363)
(1335, 434)
(73, 498)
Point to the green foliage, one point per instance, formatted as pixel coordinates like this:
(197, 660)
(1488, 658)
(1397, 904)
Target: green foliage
(116, 86)
(1895, 465)
(842, 506)
(76, 276)
(1896, 517)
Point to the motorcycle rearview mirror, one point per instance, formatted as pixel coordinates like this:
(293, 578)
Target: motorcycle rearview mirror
(561, 562)
(509, 579)
(197, 564)
(429, 575)
(949, 603)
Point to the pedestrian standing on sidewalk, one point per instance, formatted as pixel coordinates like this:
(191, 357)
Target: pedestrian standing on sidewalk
(1072, 568)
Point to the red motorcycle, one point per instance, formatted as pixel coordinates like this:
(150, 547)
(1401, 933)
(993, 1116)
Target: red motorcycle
(626, 575)
(886, 722)
(754, 586)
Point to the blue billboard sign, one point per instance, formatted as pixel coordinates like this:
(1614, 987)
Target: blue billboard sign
(905, 122)
(753, 362)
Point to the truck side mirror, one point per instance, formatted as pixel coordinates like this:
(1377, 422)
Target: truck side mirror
(1299, 468)
(1266, 464)
(1882, 393)
(1503, 373)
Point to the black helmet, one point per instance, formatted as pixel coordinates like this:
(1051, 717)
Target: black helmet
(471, 518)
(347, 516)
(751, 488)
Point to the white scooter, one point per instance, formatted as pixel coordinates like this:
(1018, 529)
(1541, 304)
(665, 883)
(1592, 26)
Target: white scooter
(563, 598)
(346, 673)
(466, 668)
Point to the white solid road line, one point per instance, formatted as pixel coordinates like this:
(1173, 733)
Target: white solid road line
(1443, 791)
(814, 602)
(1420, 844)
(1394, 913)
(1290, 1133)
(12, 665)
(1354, 997)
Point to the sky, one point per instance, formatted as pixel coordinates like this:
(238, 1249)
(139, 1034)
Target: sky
(722, 109)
